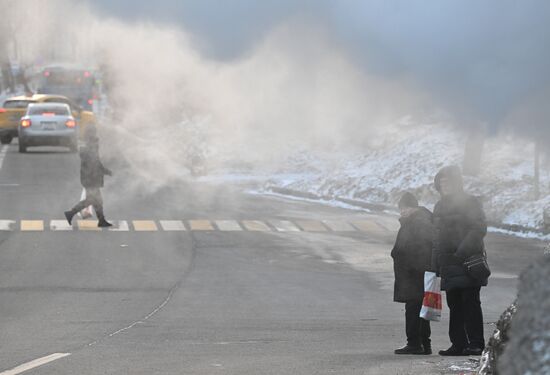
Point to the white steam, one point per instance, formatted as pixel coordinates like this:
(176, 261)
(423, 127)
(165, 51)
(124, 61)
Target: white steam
(296, 90)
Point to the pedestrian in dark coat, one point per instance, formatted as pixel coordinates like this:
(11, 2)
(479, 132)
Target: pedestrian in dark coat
(412, 255)
(92, 172)
(460, 227)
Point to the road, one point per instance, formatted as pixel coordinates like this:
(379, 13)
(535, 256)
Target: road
(203, 278)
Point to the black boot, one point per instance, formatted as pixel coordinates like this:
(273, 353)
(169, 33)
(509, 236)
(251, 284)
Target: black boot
(69, 216)
(452, 351)
(427, 345)
(410, 349)
(473, 350)
(102, 223)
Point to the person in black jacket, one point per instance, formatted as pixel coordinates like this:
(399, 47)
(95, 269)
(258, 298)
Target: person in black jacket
(92, 172)
(460, 227)
(412, 255)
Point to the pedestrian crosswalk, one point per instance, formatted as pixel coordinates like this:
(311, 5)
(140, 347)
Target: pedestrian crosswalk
(145, 226)
(172, 225)
(201, 225)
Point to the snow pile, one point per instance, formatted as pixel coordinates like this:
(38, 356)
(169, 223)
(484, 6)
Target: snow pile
(408, 158)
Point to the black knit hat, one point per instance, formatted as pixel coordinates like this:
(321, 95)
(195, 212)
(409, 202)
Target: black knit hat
(407, 200)
(451, 172)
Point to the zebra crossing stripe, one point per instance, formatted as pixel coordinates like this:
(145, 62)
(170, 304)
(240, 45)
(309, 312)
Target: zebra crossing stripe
(369, 226)
(60, 225)
(172, 225)
(339, 226)
(88, 225)
(256, 226)
(391, 225)
(311, 226)
(200, 225)
(32, 225)
(145, 226)
(284, 226)
(228, 225)
(7, 225)
(120, 226)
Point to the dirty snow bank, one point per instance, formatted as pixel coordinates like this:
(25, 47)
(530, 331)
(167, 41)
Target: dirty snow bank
(408, 158)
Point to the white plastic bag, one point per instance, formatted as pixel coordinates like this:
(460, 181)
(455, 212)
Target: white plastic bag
(87, 212)
(431, 304)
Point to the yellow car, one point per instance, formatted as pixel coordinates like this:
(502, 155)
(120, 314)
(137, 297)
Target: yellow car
(14, 108)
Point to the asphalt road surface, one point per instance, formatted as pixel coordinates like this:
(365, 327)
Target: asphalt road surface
(203, 278)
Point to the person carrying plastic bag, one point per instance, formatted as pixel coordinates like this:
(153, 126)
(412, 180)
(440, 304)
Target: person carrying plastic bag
(411, 259)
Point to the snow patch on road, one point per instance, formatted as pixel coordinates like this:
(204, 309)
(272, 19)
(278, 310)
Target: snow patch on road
(529, 234)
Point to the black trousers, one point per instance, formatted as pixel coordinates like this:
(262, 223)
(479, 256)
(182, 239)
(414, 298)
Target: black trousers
(466, 318)
(94, 198)
(417, 329)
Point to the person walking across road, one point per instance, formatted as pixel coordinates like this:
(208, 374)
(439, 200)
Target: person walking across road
(412, 255)
(92, 172)
(459, 228)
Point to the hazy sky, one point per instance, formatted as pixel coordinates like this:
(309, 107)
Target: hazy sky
(482, 55)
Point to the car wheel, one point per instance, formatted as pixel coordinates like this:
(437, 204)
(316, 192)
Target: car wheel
(22, 147)
(6, 140)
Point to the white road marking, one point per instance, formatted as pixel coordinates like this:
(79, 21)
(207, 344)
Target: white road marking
(7, 225)
(34, 364)
(369, 226)
(59, 225)
(391, 224)
(311, 226)
(3, 152)
(120, 226)
(172, 225)
(256, 226)
(339, 226)
(228, 225)
(284, 226)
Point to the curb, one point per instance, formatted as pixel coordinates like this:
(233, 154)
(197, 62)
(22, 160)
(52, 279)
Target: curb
(379, 207)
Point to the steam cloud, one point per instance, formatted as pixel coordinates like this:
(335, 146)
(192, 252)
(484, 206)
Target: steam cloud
(482, 60)
(271, 77)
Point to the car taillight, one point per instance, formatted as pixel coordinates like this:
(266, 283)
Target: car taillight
(70, 123)
(26, 123)
(3, 110)
(48, 114)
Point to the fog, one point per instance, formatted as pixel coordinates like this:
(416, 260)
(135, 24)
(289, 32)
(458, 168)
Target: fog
(481, 60)
(254, 81)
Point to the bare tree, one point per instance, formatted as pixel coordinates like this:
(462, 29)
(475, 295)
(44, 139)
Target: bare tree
(473, 151)
(537, 170)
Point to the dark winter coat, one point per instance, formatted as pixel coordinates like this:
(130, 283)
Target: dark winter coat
(92, 170)
(412, 255)
(460, 226)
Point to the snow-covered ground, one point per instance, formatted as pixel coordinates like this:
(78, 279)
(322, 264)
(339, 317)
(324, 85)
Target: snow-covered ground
(407, 159)
(410, 158)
